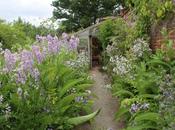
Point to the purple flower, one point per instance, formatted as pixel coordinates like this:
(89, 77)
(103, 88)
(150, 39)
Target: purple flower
(50, 47)
(134, 108)
(78, 99)
(21, 77)
(85, 101)
(10, 60)
(53, 46)
(36, 51)
(26, 60)
(65, 36)
(44, 52)
(73, 42)
(35, 74)
(49, 38)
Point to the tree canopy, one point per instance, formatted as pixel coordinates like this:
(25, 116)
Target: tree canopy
(82, 13)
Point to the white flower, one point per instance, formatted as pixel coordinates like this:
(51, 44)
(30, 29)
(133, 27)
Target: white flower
(7, 110)
(81, 61)
(108, 86)
(19, 91)
(121, 65)
(140, 47)
(26, 94)
(1, 99)
(104, 68)
(88, 91)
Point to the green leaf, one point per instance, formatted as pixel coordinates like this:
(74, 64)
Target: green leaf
(152, 96)
(70, 84)
(159, 62)
(123, 92)
(149, 116)
(120, 113)
(68, 99)
(142, 127)
(82, 119)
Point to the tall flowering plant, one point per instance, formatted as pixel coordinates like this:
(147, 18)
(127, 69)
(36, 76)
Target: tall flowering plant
(23, 63)
(37, 89)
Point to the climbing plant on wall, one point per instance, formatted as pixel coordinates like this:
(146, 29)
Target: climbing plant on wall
(149, 12)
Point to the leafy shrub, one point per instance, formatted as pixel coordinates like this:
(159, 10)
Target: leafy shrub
(143, 81)
(115, 34)
(10, 36)
(146, 93)
(105, 32)
(140, 81)
(19, 34)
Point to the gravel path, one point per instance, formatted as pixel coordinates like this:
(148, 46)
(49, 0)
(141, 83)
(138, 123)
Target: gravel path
(105, 102)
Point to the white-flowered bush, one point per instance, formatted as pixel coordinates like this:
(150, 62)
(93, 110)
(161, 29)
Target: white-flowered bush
(140, 47)
(121, 65)
(111, 50)
(82, 61)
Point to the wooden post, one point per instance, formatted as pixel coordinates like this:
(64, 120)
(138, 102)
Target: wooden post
(90, 45)
(90, 50)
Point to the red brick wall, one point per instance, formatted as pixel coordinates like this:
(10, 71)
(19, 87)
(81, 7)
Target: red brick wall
(157, 38)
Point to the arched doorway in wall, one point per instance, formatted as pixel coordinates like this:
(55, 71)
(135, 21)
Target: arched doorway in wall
(96, 50)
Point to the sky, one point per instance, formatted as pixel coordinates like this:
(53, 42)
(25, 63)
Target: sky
(33, 11)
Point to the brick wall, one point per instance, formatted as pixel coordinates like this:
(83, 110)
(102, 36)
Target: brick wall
(157, 38)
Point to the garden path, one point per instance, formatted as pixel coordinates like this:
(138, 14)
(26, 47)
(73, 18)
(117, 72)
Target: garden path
(105, 102)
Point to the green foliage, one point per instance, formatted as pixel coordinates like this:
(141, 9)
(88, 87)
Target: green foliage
(32, 30)
(122, 113)
(143, 127)
(149, 12)
(48, 103)
(144, 90)
(154, 117)
(146, 84)
(118, 33)
(123, 92)
(80, 14)
(82, 119)
(11, 36)
(106, 30)
(19, 34)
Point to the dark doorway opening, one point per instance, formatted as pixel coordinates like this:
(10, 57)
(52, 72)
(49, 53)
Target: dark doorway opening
(96, 49)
